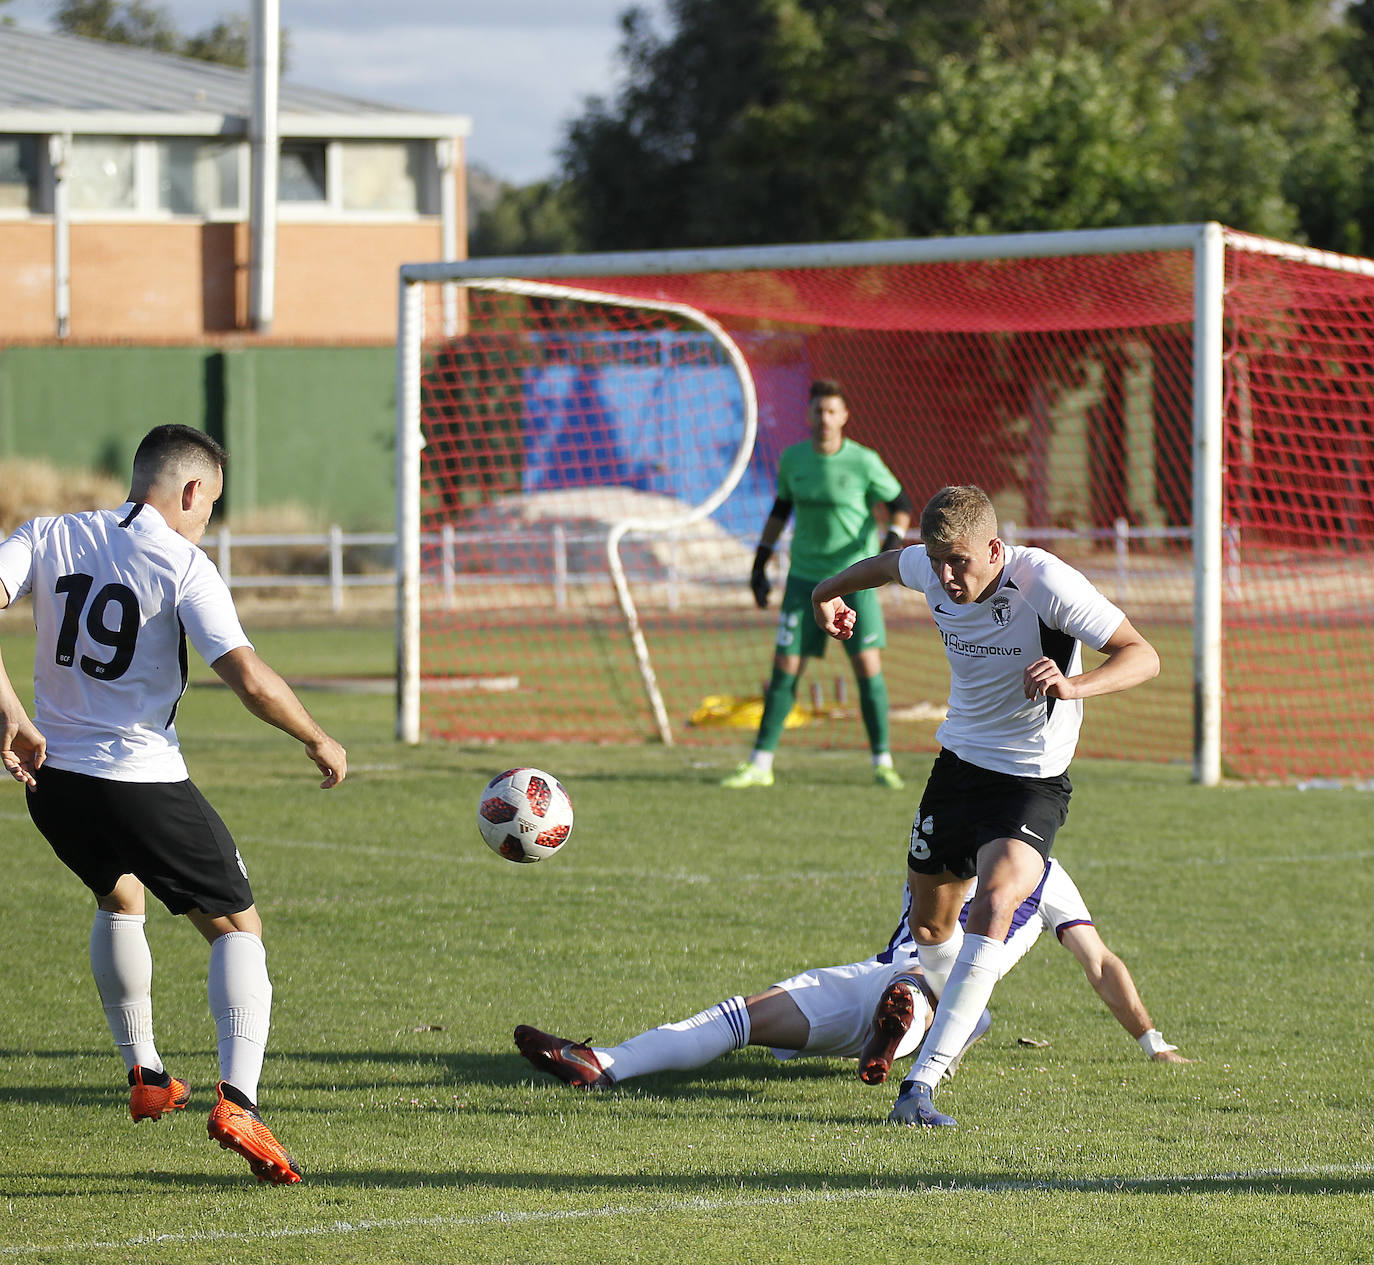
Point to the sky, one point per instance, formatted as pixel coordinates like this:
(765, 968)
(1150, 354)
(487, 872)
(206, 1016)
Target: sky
(519, 69)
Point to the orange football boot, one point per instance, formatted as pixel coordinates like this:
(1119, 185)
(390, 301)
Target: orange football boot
(235, 1124)
(151, 1093)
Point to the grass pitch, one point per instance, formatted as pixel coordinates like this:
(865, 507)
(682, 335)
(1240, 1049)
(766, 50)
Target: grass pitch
(403, 953)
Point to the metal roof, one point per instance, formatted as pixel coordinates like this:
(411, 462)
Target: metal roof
(53, 82)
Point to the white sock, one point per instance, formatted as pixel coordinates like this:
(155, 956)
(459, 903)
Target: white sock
(937, 960)
(241, 1002)
(762, 760)
(683, 1045)
(984, 1021)
(122, 965)
(965, 998)
(883, 760)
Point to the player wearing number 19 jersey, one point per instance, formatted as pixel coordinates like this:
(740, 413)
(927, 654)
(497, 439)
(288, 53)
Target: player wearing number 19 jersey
(117, 594)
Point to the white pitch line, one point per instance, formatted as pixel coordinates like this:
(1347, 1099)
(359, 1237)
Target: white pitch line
(791, 1199)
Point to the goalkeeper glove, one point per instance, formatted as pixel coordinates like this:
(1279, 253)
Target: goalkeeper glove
(893, 540)
(758, 577)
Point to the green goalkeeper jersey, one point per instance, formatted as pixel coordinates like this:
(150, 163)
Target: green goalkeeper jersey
(833, 498)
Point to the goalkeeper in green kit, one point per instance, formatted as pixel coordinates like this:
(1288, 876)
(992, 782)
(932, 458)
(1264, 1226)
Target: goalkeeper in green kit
(833, 484)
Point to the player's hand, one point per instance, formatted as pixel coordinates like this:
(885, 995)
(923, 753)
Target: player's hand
(331, 760)
(1043, 679)
(758, 576)
(835, 618)
(22, 748)
(1169, 1056)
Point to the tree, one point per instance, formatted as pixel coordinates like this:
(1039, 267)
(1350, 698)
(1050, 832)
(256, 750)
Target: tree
(533, 219)
(227, 42)
(1358, 62)
(120, 22)
(793, 120)
(144, 25)
(1050, 140)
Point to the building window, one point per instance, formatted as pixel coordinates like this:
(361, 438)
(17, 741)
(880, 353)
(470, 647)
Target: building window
(383, 175)
(18, 173)
(301, 172)
(198, 177)
(101, 173)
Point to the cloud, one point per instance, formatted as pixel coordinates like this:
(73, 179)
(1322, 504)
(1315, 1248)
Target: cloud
(519, 69)
(519, 90)
(534, 16)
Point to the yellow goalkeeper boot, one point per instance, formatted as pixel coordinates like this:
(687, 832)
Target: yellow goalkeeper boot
(886, 775)
(747, 775)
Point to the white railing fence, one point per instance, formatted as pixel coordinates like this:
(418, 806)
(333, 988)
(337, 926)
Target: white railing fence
(551, 555)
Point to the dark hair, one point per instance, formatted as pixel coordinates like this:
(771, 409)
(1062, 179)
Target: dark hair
(823, 387)
(164, 447)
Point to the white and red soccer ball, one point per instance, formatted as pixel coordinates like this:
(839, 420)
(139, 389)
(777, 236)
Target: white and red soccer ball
(524, 815)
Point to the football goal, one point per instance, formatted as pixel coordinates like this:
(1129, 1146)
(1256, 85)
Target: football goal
(586, 449)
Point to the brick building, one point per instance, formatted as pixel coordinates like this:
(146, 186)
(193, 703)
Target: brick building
(125, 193)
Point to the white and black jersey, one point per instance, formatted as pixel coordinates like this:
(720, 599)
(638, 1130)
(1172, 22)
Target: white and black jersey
(116, 596)
(1042, 607)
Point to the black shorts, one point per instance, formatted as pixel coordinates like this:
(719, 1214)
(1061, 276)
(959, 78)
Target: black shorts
(164, 833)
(964, 807)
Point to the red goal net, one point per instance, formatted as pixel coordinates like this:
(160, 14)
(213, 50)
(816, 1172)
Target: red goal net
(1298, 658)
(1062, 385)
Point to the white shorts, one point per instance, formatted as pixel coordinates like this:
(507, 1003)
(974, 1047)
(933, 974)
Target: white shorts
(838, 1002)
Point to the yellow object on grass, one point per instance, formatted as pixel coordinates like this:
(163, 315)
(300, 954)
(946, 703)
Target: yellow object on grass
(744, 713)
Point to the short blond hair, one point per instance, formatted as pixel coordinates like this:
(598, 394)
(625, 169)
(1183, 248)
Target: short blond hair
(955, 513)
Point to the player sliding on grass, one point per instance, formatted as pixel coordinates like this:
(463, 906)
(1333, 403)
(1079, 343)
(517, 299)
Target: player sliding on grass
(116, 595)
(834, 484)
(1013, 621)
(826, 1013)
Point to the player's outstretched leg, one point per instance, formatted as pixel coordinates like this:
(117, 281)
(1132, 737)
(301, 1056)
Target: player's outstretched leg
(152, 1093)
(235, 1124)
(572, 1062)
(915, 1108)
(892, 1019)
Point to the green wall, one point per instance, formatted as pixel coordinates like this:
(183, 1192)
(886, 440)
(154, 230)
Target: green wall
(312, 426)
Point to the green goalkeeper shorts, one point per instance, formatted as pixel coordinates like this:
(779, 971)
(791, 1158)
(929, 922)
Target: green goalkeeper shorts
(799, 634)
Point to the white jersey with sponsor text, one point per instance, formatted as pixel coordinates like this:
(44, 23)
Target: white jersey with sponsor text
(116, 595)
(1041, 607)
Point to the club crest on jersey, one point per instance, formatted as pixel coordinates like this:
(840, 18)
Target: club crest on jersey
(1001, 610)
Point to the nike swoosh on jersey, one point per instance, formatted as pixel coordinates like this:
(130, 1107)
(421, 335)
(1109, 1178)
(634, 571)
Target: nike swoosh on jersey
(1025, 829)
(940, 610)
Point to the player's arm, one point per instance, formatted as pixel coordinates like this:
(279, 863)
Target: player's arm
(768, 538)
(898, 521)
(263, 692)
(1131, 660)
(1112, 982)
(827, 598)
(22, 747)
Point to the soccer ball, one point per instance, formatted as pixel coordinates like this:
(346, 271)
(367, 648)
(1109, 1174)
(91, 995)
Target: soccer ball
(524, 815)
